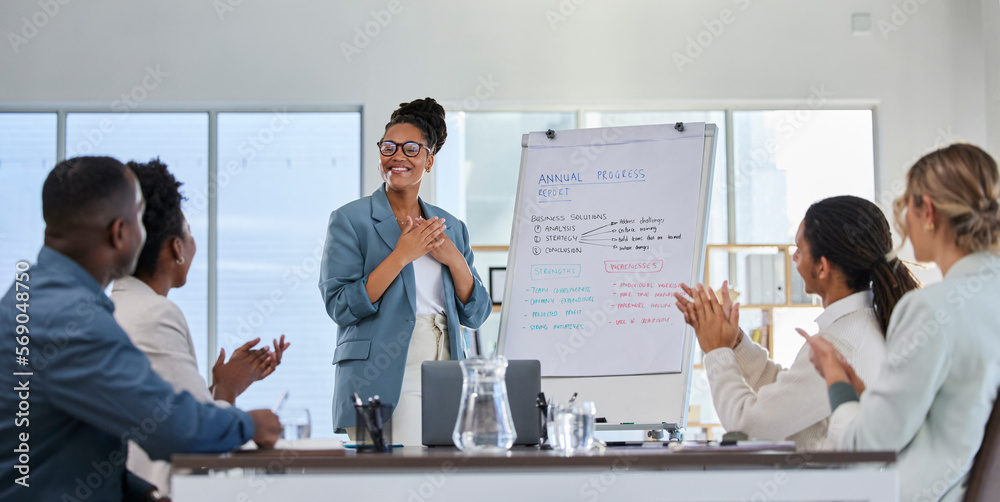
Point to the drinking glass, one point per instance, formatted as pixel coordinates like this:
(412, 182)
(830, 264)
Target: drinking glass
(296, 423)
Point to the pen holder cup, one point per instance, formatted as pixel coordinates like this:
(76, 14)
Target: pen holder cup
(370, 437)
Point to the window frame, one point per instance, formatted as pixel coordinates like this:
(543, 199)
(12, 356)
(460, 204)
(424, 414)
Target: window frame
(211, 247)
(725, 106)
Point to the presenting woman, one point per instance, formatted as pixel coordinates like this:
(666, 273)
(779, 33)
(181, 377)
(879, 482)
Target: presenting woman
(158, 327)
(397, 278)
(939, 380)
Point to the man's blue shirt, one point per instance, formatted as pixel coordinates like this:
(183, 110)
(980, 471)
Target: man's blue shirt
(90, 390)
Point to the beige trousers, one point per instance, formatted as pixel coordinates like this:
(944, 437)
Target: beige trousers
(429, 342)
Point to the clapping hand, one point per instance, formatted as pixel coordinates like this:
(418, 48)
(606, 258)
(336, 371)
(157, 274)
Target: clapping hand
(830, 363)
(244, 367)
(716, 323)
(275, 357)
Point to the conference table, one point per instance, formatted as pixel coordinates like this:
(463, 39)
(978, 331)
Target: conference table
(416, 474)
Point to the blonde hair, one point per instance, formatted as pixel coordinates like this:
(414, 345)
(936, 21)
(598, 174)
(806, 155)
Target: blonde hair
(963, 184)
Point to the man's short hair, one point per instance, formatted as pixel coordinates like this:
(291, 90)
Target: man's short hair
(78, 187)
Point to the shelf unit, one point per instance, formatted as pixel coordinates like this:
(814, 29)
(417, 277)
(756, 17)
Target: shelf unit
(767, 309)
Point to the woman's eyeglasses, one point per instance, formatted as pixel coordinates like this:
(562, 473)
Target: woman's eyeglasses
(410, 148)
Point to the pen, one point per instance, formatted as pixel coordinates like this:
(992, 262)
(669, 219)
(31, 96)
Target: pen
(377, 418)
(280, 402)
(572, 398)
(543, 414)
(540, 402)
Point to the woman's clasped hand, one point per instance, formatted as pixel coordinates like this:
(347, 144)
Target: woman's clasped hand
(420, 237)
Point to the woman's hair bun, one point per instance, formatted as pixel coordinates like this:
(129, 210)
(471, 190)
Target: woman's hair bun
(427, 115)
(987, 206)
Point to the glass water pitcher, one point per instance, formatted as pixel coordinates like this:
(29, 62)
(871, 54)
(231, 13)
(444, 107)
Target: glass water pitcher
(484, 420)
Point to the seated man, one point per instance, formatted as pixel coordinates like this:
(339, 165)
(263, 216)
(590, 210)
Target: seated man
(81, 388)
(842, 244)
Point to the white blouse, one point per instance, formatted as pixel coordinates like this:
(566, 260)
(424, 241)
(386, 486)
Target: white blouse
(753, 394)
(427, 274)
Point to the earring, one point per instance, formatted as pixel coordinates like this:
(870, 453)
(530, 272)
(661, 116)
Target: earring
(180, 261)
(929, 227)
(427, 169)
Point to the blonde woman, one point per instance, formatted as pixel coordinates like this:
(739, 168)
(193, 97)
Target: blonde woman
(940, 377)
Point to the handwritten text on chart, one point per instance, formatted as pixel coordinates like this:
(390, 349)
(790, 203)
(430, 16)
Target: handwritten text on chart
(544, 272)
(620, 235)
(564, 308)
(626, 266)
(559, 187)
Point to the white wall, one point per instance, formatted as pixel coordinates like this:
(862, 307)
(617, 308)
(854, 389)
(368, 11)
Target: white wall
(933, 79)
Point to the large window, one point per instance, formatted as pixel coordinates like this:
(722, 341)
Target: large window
(279, 177)
(782, 161)
(27, 154)
(788, 159)
(280, 174)
(180, 140)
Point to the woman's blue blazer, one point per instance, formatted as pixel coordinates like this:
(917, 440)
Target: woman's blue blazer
(373, 338)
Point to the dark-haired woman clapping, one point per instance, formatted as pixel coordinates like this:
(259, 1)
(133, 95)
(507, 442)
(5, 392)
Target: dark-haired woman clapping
(398, 278)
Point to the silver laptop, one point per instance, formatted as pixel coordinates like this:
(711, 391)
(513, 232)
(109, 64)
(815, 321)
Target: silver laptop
(441, 386)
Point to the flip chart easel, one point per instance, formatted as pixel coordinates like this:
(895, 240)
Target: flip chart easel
(608, 222)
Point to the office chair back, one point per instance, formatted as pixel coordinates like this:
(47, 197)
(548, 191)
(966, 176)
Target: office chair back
(984, 478)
